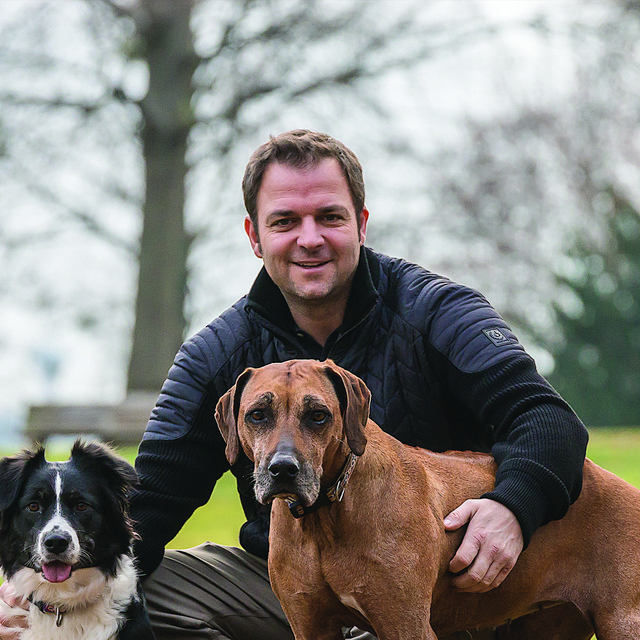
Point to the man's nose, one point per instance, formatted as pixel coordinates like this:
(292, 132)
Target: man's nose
(310, 236)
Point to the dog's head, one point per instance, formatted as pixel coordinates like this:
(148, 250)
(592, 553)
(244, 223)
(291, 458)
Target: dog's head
(291, 418)
(57, 517)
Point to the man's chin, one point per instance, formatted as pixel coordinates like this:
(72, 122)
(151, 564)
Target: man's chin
(310, 288)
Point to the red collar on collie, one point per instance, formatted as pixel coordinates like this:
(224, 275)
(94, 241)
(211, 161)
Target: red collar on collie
(65, 544)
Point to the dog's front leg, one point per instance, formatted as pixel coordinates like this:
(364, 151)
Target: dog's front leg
(401, 622)
(309, 616)
(312, 609)
(310, 629)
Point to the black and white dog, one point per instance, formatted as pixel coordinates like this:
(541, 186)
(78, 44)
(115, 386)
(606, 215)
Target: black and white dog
(65, 544)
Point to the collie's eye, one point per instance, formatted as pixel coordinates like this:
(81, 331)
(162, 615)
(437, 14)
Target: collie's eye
(34, 507)
(82, 506)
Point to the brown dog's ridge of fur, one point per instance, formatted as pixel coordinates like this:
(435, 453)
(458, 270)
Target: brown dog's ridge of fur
(378, 559)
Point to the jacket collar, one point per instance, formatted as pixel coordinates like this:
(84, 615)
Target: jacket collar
(266, 299)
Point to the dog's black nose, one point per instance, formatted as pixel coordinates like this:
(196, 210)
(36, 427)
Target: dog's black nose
(283, 466)
(57, 542)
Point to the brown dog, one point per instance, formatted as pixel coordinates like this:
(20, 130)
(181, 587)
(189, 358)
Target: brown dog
(378, 557)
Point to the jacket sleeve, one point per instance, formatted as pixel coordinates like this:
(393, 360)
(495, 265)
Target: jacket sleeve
(539, 443)
(181, 455)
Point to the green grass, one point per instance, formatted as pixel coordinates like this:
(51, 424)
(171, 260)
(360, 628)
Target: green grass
(617, 450)
(218, 521)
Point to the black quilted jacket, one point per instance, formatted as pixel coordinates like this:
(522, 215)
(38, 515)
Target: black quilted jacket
(444, 370)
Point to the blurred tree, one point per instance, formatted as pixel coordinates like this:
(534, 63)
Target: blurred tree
(114, 108)
(165, 42)
(209, 75)
(514, 186)
(598, 359)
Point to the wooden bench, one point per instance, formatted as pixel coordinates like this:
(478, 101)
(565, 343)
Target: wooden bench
(122, 424)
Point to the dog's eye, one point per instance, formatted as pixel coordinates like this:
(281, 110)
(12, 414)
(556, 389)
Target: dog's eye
(34, 507)
(82, 506)
(319, 416)
(257, 415)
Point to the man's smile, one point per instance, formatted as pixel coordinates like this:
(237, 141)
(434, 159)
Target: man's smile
(310, 265)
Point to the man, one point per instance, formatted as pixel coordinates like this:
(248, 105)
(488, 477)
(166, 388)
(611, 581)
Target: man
(444, 370)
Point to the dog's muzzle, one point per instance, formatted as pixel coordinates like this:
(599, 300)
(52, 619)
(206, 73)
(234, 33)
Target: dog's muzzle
(58, 552)
(57, 542)
(284, 475)
(283, 467)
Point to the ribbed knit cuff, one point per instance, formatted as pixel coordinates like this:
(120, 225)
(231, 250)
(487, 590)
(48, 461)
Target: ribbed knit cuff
(534, 494)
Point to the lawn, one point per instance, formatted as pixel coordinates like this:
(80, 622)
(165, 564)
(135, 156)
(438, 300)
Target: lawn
(618, 450)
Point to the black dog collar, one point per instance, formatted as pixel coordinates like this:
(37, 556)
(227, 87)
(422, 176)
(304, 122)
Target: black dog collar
(49, 608)
(333, 494)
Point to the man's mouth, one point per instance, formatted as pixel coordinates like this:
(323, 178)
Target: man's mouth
(311, 265)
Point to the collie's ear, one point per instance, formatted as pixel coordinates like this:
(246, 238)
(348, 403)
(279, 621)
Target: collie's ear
(115, 479)
(227, 411)
(117, 473)
(13, 473)
(355, 400)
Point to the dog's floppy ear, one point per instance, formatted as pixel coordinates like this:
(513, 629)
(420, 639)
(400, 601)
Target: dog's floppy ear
(116, 471)
(355, 400)
(13, 473)
(116, 478)
(227, 416)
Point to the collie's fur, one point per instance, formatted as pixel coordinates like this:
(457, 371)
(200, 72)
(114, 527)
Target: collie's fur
(65, 544)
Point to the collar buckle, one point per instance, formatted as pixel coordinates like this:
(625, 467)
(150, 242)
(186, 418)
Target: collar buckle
(334, 493)
(49, 608)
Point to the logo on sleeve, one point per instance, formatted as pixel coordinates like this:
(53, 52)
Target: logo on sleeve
(496, 336)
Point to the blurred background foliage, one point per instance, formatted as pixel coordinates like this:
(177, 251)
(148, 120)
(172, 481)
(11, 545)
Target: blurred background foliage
(499, 138)
(598, 358)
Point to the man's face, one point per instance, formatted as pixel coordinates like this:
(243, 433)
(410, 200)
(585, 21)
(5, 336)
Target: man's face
(308, 235)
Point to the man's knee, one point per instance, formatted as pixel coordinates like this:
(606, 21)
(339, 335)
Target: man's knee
(213, 591)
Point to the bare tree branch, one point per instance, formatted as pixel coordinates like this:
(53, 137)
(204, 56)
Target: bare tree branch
(50, 103)
(85, 219)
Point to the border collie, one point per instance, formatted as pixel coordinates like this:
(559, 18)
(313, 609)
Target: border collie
(65, 545)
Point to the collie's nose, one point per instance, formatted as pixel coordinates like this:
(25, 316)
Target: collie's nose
(283, 466)
(57, 542)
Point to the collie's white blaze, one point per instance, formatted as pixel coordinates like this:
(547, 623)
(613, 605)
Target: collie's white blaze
(60, 523)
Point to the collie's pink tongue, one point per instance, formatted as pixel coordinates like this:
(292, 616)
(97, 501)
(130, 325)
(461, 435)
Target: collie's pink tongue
(56, 571)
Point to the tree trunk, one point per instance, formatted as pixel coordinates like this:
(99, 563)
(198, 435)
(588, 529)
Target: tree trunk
(165, 30)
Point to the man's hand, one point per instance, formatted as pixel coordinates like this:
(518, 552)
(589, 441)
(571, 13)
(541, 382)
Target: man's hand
(492, 544)
(13, 613)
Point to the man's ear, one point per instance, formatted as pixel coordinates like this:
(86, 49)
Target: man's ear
(362, 225)
(227, 416)
(355, 400)
(254, 238)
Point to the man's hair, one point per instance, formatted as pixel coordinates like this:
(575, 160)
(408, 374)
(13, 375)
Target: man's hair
(301, 149)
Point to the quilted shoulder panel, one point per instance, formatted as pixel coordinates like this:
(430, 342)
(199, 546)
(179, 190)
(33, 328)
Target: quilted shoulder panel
(454, 319)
